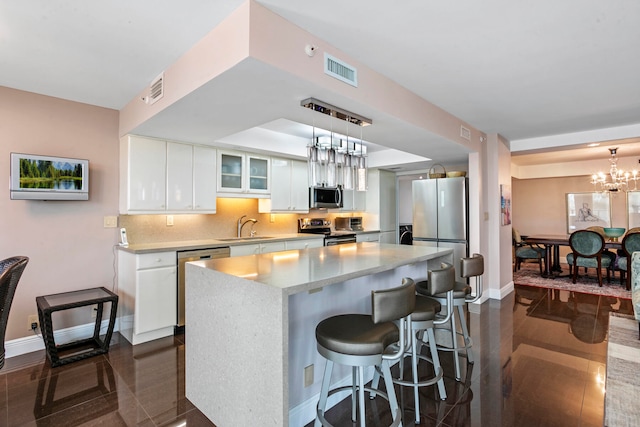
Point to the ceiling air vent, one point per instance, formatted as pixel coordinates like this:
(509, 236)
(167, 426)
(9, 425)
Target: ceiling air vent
(340, 70)
(156, 90)
(465, 133)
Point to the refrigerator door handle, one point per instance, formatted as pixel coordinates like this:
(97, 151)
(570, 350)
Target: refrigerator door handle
(442, 198)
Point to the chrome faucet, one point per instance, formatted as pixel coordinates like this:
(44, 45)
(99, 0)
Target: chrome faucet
(242, 224)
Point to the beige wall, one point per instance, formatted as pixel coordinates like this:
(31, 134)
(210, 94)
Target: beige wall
(66, 242)
(539, 205)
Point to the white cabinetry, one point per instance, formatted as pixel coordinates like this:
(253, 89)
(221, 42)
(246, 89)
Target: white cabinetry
(179, 176)
(143, 166)
(354, 200)
(191, 178)
(204, 179)
(368, 237)
(147, 286)
(291, 190)
(166, 177)
(258, 248)
(243, 175)
(382, 205)
(304, 244)
(389, 237)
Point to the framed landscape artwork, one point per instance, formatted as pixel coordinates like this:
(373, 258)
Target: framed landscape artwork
(586, 210)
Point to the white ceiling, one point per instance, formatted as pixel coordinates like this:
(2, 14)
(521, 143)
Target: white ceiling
(521, 69)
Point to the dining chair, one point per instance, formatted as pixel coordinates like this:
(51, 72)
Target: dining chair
(630, 244)
(586, 251)
(605, 252)
(525, 251)
(10, 271)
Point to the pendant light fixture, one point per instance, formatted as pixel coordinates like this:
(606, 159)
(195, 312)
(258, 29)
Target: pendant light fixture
(335, 164)
(617, 179)
(361, 168)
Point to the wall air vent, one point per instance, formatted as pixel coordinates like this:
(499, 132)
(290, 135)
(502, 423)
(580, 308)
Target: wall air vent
(156, 89)
(465, 133)
(340, 70)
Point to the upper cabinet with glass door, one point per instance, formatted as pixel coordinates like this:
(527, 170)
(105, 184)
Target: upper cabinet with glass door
(243, 175)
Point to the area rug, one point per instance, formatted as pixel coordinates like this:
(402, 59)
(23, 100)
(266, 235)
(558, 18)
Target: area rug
(623, 383)
(529, 275)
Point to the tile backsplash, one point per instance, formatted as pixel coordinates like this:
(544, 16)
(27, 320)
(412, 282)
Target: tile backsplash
(154, 228)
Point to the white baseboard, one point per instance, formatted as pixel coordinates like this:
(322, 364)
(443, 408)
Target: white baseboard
(26, 345)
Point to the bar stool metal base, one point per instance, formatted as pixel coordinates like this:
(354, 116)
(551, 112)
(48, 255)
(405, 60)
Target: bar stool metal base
(357, 388)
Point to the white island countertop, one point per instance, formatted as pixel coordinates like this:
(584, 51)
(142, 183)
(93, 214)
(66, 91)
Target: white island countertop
(251, 323)
(297, 271)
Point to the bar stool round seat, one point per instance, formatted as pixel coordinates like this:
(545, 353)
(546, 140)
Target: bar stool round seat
(359, 341)
(344, 334)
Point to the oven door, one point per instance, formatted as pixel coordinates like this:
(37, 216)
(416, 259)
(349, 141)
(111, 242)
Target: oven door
(339, 240)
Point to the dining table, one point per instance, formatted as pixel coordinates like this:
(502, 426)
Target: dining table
(552, 243)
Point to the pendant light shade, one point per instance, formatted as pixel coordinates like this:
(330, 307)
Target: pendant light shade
(335, 162)
(361, 172)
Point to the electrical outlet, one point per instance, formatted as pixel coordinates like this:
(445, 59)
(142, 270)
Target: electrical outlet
(33, 318)
(94, 311)
(308, 375)
(169, 220)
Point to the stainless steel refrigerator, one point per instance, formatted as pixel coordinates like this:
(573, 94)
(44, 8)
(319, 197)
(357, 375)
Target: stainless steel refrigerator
(440, 215)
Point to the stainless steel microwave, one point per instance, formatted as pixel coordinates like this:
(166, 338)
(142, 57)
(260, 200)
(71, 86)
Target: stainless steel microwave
(325, 197)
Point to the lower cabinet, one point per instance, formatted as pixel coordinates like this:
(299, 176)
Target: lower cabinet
(148, 283)
(147, 286)
(259, 248)
(156, 299)
(304, 244)
(368, 237)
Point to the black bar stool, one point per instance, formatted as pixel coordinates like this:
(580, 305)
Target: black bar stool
(362, 340)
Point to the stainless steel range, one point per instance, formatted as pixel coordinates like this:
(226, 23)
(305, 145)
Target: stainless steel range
(323, 226)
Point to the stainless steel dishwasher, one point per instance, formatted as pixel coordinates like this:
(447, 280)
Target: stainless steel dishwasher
(194, 255)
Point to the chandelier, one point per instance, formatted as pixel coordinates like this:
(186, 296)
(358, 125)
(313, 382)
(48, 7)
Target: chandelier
(617, 180)
(337, 160)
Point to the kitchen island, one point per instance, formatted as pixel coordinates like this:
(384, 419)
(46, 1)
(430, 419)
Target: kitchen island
(251, 324)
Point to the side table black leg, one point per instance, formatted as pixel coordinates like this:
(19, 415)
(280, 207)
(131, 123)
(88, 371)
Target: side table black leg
(112, 322)
(96, 329)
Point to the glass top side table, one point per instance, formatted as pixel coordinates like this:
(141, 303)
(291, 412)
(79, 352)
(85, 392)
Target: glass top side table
(83, 348)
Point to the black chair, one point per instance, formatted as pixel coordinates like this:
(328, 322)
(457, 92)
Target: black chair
(10, 271)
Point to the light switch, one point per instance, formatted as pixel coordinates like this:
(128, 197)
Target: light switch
(169, 220)
(110, 221)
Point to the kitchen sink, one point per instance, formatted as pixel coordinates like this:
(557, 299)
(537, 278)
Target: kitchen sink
(240, 239)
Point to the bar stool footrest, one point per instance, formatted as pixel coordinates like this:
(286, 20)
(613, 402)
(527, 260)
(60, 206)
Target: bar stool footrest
(372, 392)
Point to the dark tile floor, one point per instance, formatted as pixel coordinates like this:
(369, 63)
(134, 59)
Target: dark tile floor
(540, 359)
